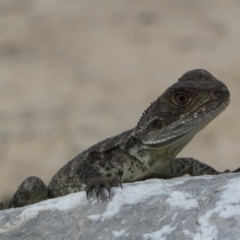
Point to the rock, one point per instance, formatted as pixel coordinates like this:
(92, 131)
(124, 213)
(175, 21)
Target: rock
(206, 207)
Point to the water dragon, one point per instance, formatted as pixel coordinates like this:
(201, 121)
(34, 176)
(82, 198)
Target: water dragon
(147, 151)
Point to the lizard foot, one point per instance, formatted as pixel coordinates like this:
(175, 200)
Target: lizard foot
(98, 182)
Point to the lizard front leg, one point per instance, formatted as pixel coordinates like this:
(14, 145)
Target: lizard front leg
(191, 166)
(112, 168)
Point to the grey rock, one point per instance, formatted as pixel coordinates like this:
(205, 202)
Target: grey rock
(182, 208)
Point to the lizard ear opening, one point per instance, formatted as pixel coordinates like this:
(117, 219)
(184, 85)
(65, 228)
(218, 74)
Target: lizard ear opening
(155, 124)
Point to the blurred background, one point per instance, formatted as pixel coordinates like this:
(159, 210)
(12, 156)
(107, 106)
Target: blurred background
(74, 72)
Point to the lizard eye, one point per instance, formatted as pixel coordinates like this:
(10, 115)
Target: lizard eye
(181, 99)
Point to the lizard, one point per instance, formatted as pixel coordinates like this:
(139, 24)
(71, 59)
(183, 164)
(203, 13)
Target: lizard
(147, 151)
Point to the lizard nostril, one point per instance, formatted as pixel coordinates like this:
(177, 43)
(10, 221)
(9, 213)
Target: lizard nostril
(221, 93)
(217, 93)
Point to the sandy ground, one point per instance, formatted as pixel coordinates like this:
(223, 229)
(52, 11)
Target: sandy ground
(73, 73)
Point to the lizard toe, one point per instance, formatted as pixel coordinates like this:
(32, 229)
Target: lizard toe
(97, 190)
(88, 189)
(108, 187)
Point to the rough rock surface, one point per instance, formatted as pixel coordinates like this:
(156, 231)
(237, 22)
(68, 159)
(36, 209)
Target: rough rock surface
(183, 208)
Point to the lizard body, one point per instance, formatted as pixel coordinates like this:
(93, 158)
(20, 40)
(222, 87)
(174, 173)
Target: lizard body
(147, 151)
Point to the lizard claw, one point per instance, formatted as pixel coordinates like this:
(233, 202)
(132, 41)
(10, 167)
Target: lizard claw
(88, 189)
(108, 187)
(97, 190)
(115, 181)
(98, 182)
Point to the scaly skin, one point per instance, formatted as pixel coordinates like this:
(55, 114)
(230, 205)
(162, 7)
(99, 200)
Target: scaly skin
(147, 151)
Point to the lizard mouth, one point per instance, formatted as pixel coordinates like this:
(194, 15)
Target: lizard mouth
(213, 111)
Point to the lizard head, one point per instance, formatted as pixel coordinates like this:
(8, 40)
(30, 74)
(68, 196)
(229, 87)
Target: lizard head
(182, 110)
